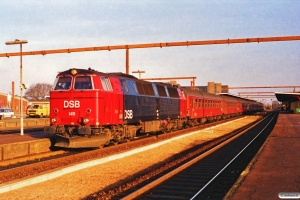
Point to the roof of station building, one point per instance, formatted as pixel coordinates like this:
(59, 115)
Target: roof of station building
(290, 97)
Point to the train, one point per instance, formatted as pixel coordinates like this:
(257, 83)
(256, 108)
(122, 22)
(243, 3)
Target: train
(91, 109)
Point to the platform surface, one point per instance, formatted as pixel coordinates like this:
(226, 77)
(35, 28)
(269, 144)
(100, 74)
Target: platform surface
(17, 137)
(277, 169)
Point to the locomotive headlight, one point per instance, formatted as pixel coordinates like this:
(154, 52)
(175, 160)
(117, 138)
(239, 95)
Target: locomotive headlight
(73, 72)
(53, 120)
(86, 120)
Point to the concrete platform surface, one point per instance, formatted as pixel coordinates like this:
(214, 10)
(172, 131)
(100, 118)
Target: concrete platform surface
(277, 168)
(27, 122)
(17, 137)
(16, 145)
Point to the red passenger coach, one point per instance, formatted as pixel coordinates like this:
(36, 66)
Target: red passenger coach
(202, 106)
(231, 106)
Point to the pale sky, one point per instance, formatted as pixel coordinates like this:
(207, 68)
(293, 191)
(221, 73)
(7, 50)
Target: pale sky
(63, 24)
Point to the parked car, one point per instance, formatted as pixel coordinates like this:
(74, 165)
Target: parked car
(6, 113)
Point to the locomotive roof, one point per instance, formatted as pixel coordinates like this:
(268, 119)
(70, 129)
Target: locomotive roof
(92, 71)
(81, 71)
(198, 93)
(122, 75)
(115, 74)
(238, 97)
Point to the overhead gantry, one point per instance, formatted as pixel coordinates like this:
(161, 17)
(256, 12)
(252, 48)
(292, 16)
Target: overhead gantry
(153, 45)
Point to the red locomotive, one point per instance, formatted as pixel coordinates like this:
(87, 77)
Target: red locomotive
(92, 109)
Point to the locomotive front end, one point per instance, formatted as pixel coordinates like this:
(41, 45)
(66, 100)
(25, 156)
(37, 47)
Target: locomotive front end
(74, 111)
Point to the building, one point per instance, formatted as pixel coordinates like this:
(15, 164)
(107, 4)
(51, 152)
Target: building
(290, 101)
(213, 88)
(13, 102)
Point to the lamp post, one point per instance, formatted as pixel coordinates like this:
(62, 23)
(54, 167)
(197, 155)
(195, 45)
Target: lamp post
(22, 86)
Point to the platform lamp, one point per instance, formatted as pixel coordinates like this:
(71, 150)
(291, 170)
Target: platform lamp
(22, 85)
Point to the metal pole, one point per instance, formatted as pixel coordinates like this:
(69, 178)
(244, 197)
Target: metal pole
(127, 61)
(21, 91)
(21, 81)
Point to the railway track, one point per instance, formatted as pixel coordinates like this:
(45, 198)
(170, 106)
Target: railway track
(30, 165)
(206, 176)
(25, 169)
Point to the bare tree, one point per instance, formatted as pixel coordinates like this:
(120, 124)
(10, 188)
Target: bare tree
(39, 90)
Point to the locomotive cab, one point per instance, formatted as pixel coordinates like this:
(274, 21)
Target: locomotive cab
(84, 106)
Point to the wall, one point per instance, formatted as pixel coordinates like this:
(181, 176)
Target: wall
(14, 104)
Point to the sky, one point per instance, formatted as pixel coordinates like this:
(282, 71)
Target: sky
(57, 24)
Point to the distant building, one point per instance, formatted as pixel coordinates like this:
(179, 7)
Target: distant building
(13, 102)
(212, 88)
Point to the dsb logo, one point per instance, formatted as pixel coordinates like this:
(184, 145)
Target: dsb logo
(72, 104)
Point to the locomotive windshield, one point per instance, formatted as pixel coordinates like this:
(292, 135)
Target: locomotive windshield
(63, 83)
(83, 83)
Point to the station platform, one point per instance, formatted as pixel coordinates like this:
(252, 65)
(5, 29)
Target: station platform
(27, 122)
(14, 145)
(275, 171)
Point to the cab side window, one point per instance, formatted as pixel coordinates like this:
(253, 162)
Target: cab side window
(106, 83)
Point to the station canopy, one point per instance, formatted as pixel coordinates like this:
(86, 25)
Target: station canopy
(287, 97)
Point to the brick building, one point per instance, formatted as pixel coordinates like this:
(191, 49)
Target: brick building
(8, 101)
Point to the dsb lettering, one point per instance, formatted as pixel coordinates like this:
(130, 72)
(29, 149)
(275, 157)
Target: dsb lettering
(72, 104)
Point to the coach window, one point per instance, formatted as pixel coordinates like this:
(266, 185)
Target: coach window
(173, 92)
(63, 83)
(192, 102)
(155, 89)
(167, 92)
(134, 87)
(124, 85)
(140, 87)
(161, 90)
(106, 83)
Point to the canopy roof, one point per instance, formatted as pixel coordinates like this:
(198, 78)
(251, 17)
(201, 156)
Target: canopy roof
(290, 97)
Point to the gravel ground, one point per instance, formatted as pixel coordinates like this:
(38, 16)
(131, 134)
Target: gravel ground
(83, 183)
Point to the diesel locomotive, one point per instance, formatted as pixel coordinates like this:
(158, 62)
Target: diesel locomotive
(92, 109)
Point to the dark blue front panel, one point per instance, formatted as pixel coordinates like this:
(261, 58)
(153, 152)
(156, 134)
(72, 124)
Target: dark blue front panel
(139, 108)
(169, 107)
